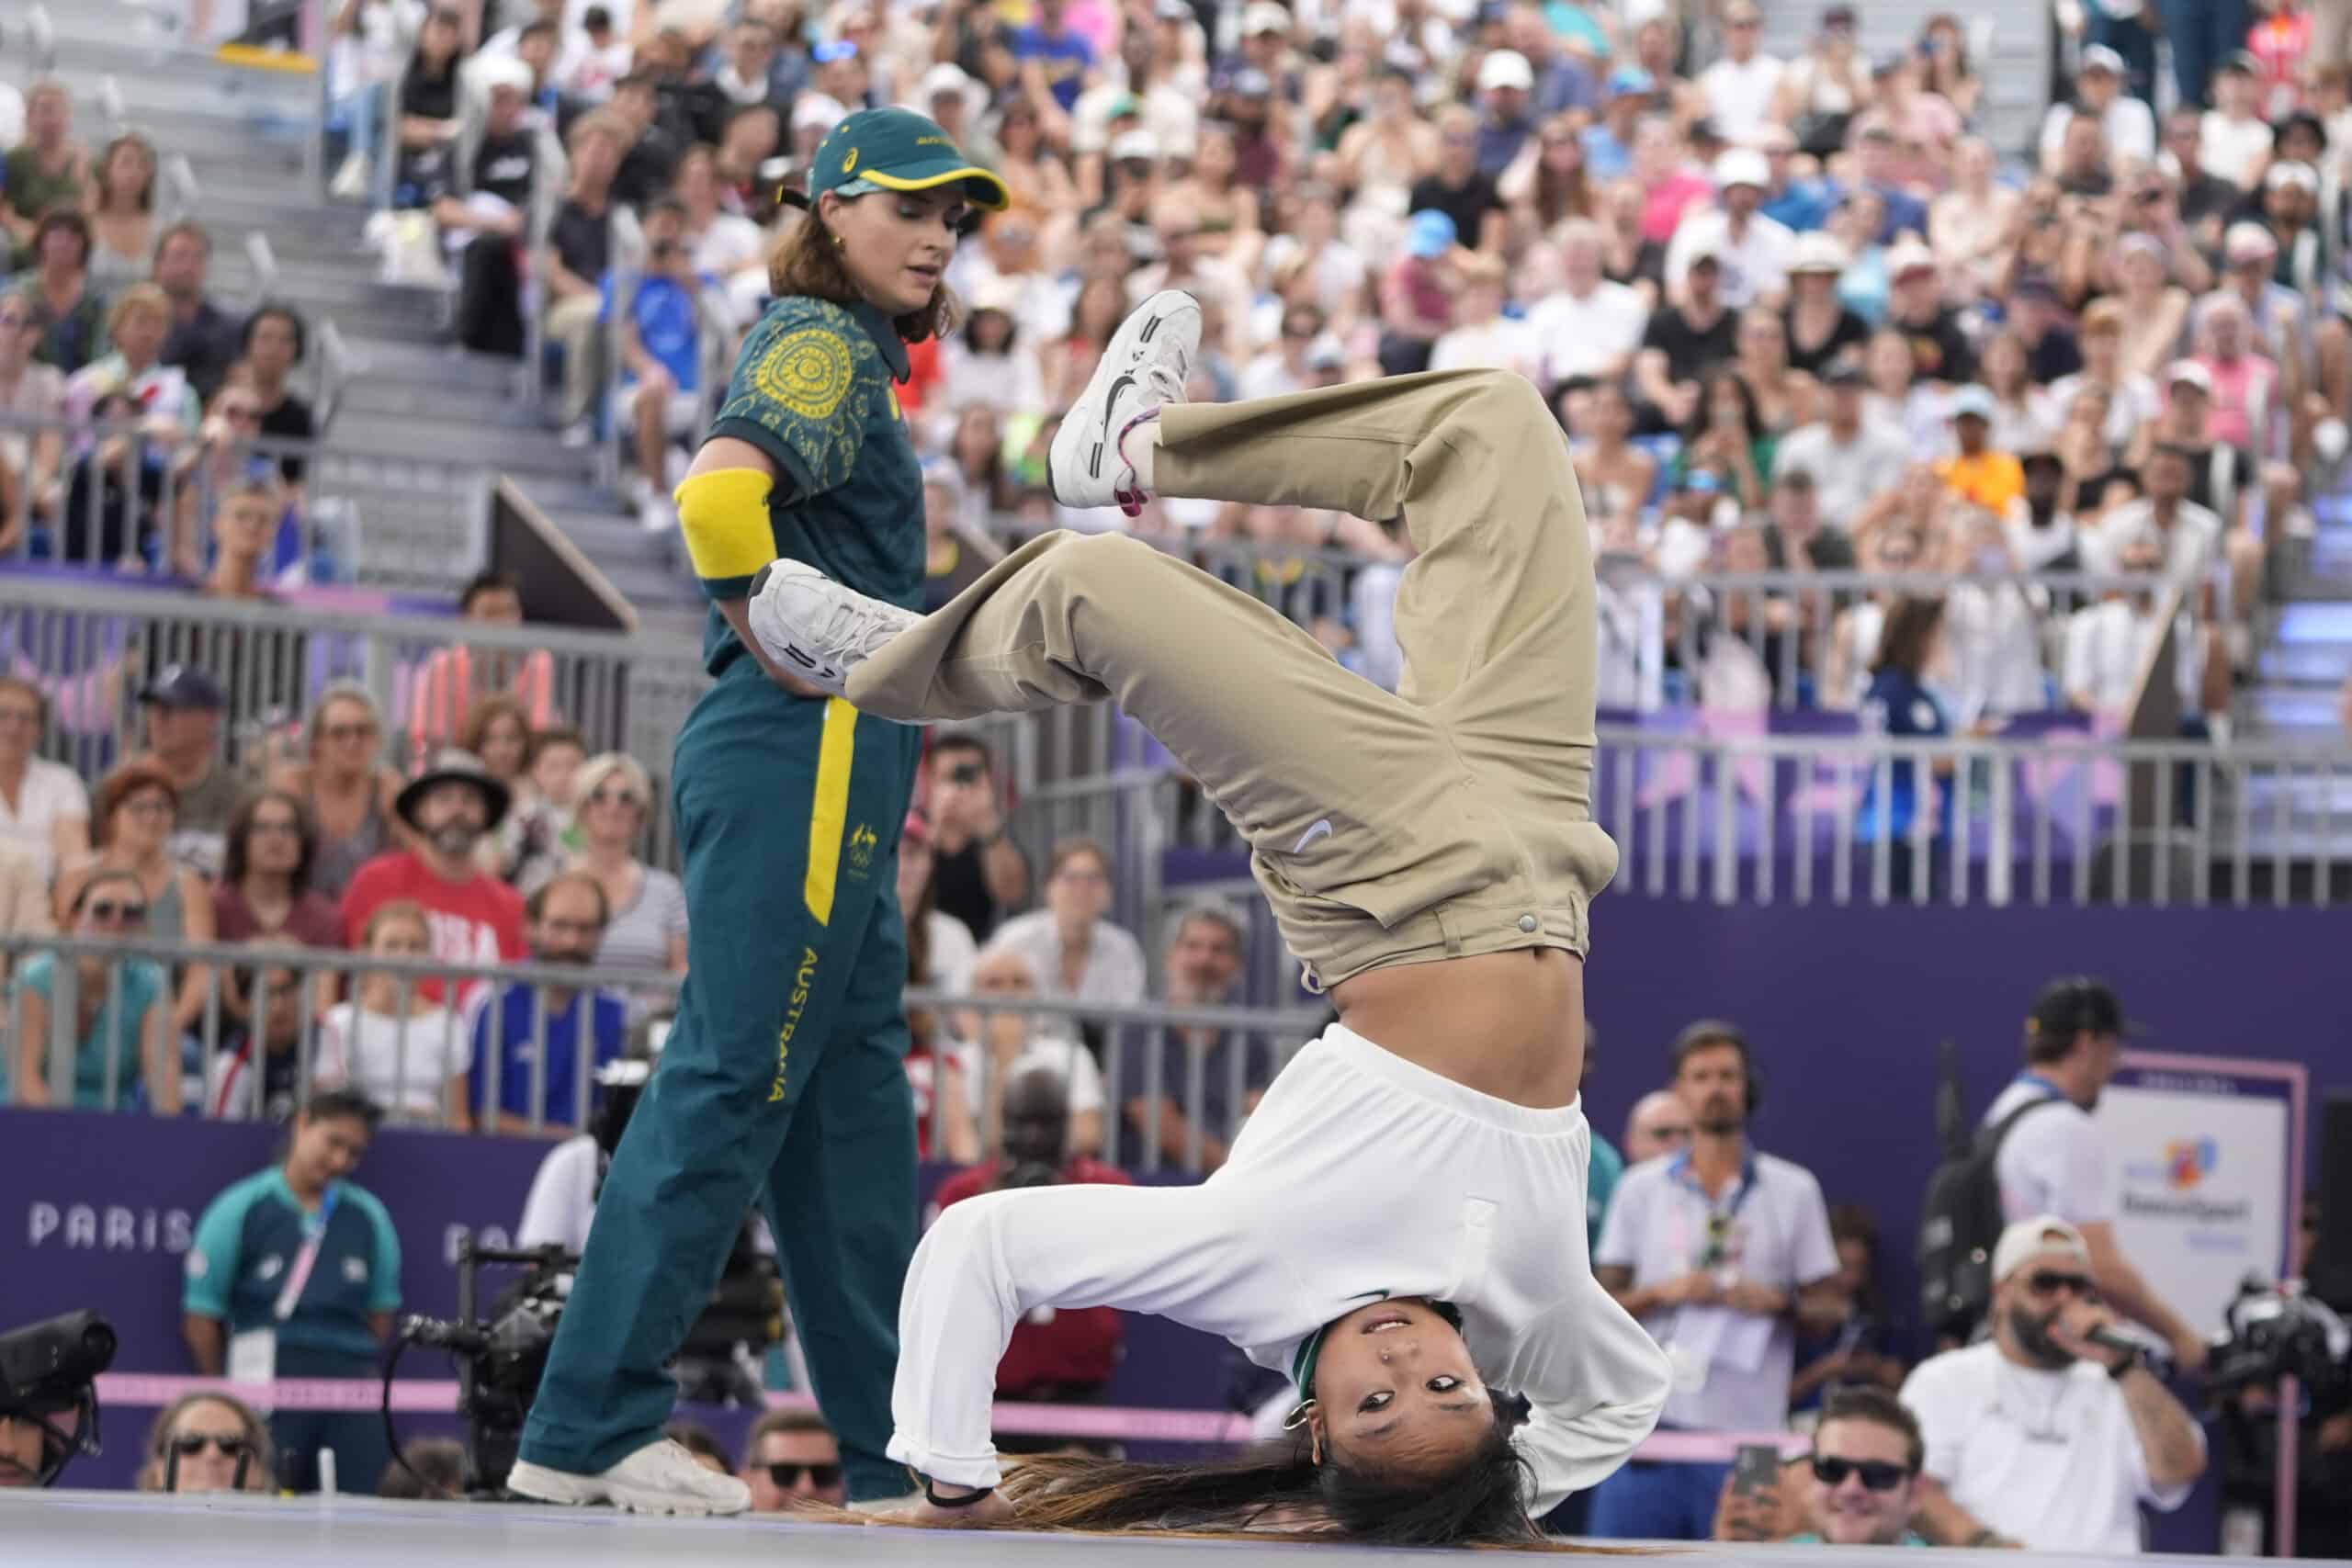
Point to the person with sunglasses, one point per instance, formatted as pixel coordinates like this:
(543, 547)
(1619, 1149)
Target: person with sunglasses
(119, 1028)
(2048, 1435)
(209, 1442)
(1859, 1487)
(792, 1462)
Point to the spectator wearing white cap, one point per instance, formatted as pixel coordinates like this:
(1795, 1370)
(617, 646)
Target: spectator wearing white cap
(2291, 210)
(1821, 329)
(954, 102)
(2127, 126)
(1739, 87)
(1754, 251)
(1588, 326)
(2039, 1436)
(1506, 120)
(2233, 139)
(2277, 315)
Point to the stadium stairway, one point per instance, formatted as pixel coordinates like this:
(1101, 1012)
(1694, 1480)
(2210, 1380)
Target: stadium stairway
(421, 425)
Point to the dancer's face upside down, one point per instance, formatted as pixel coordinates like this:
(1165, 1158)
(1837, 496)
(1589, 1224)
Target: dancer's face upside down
(1395, 1389)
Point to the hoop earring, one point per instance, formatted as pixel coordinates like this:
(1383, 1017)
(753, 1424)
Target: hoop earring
(1297, 1417)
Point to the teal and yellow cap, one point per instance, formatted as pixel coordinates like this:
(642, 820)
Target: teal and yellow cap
(898, 149)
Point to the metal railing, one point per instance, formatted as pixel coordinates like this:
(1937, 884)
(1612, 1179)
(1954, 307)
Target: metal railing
(1657, 632)
(413, 1051)
(2065, 821)
(91, 646)
(127, 494)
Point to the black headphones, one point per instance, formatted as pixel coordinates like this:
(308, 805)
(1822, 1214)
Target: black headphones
(285, 313)
(1711, 1032)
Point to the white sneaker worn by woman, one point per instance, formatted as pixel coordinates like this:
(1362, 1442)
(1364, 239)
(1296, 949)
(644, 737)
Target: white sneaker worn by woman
(660, 1478)
(817, 629)
(1143, 369)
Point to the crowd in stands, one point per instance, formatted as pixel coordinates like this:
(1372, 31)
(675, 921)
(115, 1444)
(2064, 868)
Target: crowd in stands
(1796, 315)
(133, 395)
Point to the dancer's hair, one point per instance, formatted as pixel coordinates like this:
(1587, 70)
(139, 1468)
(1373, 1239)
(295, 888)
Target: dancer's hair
(1480, 1500)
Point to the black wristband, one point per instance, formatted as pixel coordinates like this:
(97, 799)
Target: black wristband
(2123, 1368)
(931, 1495)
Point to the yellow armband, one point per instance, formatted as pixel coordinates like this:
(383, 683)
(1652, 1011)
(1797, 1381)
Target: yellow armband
(724, 515)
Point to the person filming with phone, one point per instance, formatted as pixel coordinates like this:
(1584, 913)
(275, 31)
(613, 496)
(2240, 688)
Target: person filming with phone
(1859, 1487)
(978, 874)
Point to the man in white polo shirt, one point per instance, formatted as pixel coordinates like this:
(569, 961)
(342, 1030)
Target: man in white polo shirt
(1719, 1251)
(2050, 1159)
(2037, 1436)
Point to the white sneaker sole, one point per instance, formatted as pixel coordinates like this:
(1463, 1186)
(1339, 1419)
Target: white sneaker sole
(1087, 443)
(567, 1490)
(780, 644)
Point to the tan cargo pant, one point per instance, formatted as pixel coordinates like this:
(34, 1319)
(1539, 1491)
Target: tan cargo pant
(1450, 818)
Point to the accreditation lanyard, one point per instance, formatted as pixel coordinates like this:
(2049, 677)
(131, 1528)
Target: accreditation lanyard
(314, 1236)
(1719, 1220)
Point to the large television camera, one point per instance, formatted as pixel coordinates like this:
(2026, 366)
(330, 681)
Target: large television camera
(2271, 1333)
(50, 1369)
(502, 1354)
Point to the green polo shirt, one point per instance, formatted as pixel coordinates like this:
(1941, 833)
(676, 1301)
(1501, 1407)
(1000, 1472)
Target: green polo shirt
(813, 390)
(250, 1235)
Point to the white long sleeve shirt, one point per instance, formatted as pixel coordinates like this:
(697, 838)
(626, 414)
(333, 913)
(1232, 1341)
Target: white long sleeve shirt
(1359, 1174)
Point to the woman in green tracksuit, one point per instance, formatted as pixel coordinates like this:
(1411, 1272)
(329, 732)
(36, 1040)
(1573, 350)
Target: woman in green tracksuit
(782, 1079)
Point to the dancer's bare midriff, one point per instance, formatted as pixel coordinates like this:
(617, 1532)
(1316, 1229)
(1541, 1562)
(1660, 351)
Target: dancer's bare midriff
(1506, 1024)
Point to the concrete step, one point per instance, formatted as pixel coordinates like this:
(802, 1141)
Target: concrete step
(519, 448)
(2318, 663)
(2272, 712)
(412, 361)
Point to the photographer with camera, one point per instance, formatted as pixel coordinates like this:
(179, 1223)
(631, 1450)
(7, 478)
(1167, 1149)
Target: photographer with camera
(2050, 1433)
(1062, 1355)
(295, 1272)
(49, 1370)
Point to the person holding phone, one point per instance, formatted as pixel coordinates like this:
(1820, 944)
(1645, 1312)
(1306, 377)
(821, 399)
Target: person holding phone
(1860, 1486)
(979, 874)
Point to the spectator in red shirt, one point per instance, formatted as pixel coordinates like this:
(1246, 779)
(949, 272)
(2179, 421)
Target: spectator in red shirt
(1059, 1355)
(473, 916)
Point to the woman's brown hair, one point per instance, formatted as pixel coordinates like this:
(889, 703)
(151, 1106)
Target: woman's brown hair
(1910, 633)
(807, 262)
(119, 786)
(98, 172)
(487, 711)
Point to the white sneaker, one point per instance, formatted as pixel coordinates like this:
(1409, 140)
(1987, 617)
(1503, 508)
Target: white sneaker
(660, 1478)
(580, 433)
(817, 629)
(1144, 367)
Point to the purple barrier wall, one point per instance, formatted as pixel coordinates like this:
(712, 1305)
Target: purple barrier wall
(100, 1211)
(1846, 1007)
